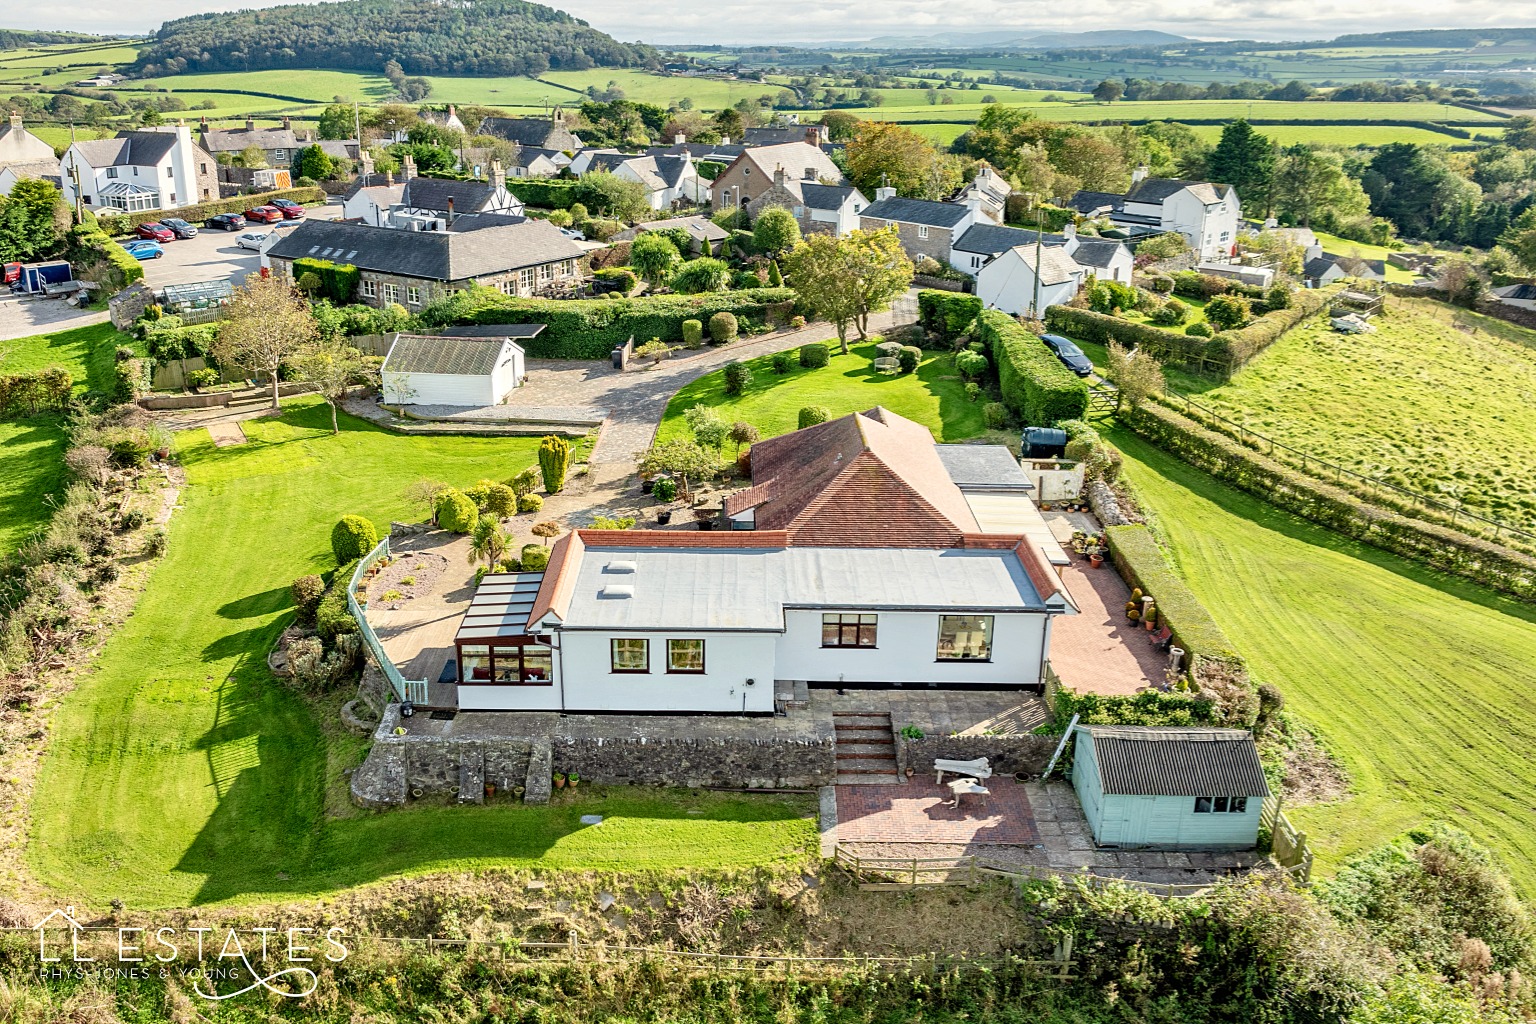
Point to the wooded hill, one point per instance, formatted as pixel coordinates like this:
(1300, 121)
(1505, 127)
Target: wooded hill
(470, 37)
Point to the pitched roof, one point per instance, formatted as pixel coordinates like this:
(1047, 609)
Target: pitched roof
(528, 131)
(233, 140)
(1088, 202)
(1351, 266)
(491, 331)
(140, 149)
(430, 255)
(434, 193)
(1164, 761)
(481, 221)
(795, 158)
(827, 197)
(1096, 252)
(994, 239)
(990, 467)
(869, 479)
(418, 353)
(917, 211)
(1156, 190)
(1056, 266)
(559, 582)
(697, 226)
(34, 168)
(1516, 291)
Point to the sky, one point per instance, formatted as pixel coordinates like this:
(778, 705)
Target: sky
(813, 21)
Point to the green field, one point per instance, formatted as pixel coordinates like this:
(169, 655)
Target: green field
(1419, 684)
(180, 771)
(933, 396)
(1338, 134)
(1428, 406)
(31, 469)
(1274, 110)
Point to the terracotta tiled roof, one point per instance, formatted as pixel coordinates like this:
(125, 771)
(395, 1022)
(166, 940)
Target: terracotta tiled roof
(1042, 574)
(869, 479)
(559, 579)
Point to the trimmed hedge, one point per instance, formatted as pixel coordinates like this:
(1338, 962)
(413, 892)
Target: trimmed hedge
(948, 313)
(199, 212)
(1141, 563)
(1440, 547)
(1034, 384)
(92, 251)
(592, 328)
(338, 281)
(549, 193)
(1241, 345)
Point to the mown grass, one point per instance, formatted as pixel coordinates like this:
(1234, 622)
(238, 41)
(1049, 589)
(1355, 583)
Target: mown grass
(934, 395)
(1337, 134)
(1421, 402)
(88, 353)
(180, 771)
(31, 470)
(1419, 684)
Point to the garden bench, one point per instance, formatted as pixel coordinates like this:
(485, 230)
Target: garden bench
(967, 787)
(887, 364)
(977, 769)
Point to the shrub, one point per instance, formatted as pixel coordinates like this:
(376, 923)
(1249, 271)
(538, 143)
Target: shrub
(815, 355)
(1278, 297)
(621, 279)
(554, 460)
(1108, 296)
(722, 328)
(130, 380)
(1033, 383)
(971, 364)
(331, 616)
(783, 362)
(500, 502)
(204, 378)
(948, 313)
(995, 414)
(705, 274)
(709, 430)
(1160, 283)
(693, 333)
(665, 489)
(524, 482)
(1170, 314)
(1199, 330)
(352, 537)
(535, 558)
(908, 357)
(126, 222)
(814, 414)
(1227, 312)
(737, 377)
(307, 591)
(455, 512)
(529, 503)
(797, 322)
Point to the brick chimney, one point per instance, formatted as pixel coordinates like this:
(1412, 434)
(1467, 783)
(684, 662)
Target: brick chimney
(498, 174)
(778, 176)
(287, 123)
(16, 120)
(813, 135)
(407, 168)
(450, 211)
(367, 163)
(202, 122)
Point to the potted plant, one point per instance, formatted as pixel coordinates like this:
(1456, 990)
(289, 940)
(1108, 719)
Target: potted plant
(571, 779)
(559, 780)
(490, 789)
(664, 516)
(1096, 556)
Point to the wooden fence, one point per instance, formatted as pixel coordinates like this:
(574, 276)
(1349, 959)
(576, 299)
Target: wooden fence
(1287, 843)
(969, 870)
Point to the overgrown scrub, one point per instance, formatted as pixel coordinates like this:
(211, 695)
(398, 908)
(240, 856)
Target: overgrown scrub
(1033, 383)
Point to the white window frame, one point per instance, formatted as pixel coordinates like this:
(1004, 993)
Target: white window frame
(369, 289)
(391, 292)
(922, 231)
(412, 295)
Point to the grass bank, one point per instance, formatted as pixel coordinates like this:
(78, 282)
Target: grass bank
(31, 469)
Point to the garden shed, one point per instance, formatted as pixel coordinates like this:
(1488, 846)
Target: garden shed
(1168, 787)
(460, 371)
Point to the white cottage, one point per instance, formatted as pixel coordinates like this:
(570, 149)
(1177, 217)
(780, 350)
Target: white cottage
(459, 367)
(1030, 277)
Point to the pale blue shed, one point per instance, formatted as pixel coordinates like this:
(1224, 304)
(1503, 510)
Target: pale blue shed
(1169, 788)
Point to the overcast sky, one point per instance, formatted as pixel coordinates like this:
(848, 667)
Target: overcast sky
(737, 21)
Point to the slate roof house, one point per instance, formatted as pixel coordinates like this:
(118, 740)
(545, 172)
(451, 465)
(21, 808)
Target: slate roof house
(1003, 261)
(751, 173)
(279, 146)
(926, 227)
(1328, 268)
(24, 155)
(699, 227)
(1206, 214)
(1522, 295)
(817, 208)
(414, 267)
(1170, 788)
(538, 132)
(860, 564)
(669, 181)
(148, 169)
(434, 204)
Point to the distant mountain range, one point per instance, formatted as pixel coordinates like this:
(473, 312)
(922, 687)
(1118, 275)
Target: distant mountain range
(1029, 39)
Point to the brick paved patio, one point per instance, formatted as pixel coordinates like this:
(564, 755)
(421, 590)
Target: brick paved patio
(916, 813)
(1100, 650)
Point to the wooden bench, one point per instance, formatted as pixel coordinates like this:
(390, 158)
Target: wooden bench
(977, 769)
(967, 787)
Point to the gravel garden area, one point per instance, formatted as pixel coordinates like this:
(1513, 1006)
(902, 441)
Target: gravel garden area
(406, 576)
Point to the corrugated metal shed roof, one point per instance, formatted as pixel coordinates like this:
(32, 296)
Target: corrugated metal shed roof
(414, 353)
(1165, 761)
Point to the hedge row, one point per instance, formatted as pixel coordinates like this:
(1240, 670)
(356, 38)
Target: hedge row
(338, 281)
(1240, 346)
(1034, 384)
(1141, 563)
(948, 313)
(122, 223)
(26, 393)
(592, 328)
(92, 252)
(1449, 550)
(1194, 285)
(332, 617)
(546, 193)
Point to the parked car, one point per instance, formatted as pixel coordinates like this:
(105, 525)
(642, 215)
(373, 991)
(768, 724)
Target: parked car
(225, 222)
(573, 234)
(251, 240)
(179, 227)
(264, 215)
(291, 210)
(1070, 355)
(143, 249)
(155, 232)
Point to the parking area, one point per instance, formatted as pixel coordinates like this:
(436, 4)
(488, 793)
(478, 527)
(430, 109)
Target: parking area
(214, 256)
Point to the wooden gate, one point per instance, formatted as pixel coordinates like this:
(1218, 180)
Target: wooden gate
(1287, 843)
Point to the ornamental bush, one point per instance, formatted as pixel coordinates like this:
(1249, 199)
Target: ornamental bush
(971, 364)
(500, 502)
(455, 512)
(814, 414)
(783, 362)
(535, 558)
(995, 414)
(307, 591)
(705, 274)
(352, 537)
(332, 619)
(737, 376)
(1227, 312)
(554, 460)
(722, 328)
(948, 313)
(204, 378)
(665, 489)
(1199, 330)
(529, 503)
(815, 355)
(693, 333)
(1170, 314)
(909, 356)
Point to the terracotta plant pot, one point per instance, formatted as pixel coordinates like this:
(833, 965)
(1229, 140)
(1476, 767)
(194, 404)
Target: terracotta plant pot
(490, 789)
(572, 781)
(559, 781)
(1097, 561)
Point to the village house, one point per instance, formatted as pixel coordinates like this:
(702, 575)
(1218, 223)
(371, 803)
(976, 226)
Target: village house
(411, 268)
(1329, 268)
(24, 155)
(752, 173)
(990, 191)
(1521, 295)
(926, 227)
(669, 181)
(539, 132)
(1206, 214)
(146, 169)
(1028, 278)
(817, 208)
(532, 162)
(435, 204)
(1106, 258)
(854, 559)
(700, 228)
(280, 147)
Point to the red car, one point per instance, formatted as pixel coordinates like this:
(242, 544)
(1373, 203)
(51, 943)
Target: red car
(264, 214)
(291, 210)
(155, 232)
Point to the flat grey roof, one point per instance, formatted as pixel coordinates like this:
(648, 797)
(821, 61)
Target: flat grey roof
(748, 588)
(983, 467)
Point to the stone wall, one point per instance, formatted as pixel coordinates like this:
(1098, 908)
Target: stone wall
(936, 245)
(698, 762)
(1006, 754)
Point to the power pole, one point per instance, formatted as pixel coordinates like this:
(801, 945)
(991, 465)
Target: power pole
(1034, 303)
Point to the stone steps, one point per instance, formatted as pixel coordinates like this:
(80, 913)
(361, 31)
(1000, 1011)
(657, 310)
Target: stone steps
(865, 750)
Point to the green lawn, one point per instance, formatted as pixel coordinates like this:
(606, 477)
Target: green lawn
(31, 469)
(180, 771)
(1421, 402)
(933, 396)
(1418, 683)
(1362, 250)
(88, 353)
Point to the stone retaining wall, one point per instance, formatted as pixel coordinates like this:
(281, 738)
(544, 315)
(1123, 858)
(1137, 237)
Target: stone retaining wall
(694, 763)
(1006, 754)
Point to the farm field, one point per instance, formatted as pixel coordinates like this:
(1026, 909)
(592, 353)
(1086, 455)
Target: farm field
(1417, 683)
(1338, 134)
(1276, 110)
(1441, 410)
(933, 396)
(180, 771)
(315, 85)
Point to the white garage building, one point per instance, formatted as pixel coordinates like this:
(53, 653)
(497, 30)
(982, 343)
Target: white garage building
(470, 367)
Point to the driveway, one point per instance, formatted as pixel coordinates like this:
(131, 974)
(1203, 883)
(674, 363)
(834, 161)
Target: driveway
(213, 255)
(22, 318)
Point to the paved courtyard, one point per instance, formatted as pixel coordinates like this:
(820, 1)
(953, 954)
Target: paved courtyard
(1099, 650)
(919, 812)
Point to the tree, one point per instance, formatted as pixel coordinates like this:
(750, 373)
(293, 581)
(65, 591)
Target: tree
(334, 367)
(252, 156)
(776, 232)
(708, 429)
(1226, 312)
(1245, 160)
(33, 218)
(1520, 132)
(337, 121)
(1108, 91)
(1135, 374)
(683, 459)
(1092, 160)
(546, 530)
(741, 433)
(265, 323)
(1167, 246)
(488, 543)
(730, 123)
(840, 125)
(554, 460)
(820, 270)
(607, 193)
(653, 255)
(882, 272)
(315, 163)
(883, 154)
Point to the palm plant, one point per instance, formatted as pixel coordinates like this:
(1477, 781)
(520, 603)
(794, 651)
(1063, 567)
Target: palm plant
(489, 542)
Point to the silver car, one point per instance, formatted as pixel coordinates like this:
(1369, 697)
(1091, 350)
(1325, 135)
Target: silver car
(252, 240)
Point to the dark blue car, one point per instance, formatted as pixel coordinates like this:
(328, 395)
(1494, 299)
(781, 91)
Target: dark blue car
(1070, 355)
